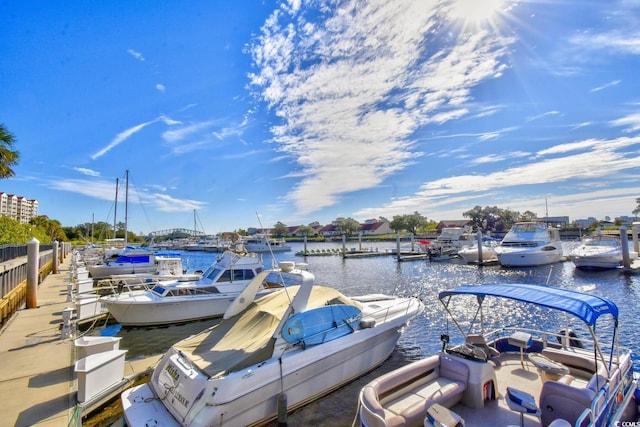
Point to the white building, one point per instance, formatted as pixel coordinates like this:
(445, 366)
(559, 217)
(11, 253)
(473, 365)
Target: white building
(18, 208)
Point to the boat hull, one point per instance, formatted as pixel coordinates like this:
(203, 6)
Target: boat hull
(145, 312)
(525, 257)
(103, 270)
(251, 396)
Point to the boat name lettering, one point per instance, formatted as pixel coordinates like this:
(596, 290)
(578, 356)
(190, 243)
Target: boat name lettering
(180, 398)
(173, 373)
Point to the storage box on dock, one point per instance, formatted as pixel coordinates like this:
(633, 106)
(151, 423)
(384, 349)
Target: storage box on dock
(87, 346)
(99, 372)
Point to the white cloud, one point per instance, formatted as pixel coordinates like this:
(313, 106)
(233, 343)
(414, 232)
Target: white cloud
(631, 122)
(89, 172)
(352, 89)
(136, 55)
(160, 87)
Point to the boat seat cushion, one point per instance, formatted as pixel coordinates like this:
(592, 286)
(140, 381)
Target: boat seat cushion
(445, 383)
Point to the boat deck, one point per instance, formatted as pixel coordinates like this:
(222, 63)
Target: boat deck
(497, 412)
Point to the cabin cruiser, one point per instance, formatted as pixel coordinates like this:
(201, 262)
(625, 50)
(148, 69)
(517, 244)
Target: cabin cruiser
(529, 244)
(184, 299)
(131, 260)
(260, 243)
(270, 355)
(541, 375)
(597, 252)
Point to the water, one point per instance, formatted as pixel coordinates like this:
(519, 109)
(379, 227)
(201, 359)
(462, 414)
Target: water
(421, 278)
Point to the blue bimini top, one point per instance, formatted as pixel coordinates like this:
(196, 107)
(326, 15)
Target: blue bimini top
(584, 306)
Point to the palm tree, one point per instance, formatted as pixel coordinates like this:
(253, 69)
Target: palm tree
(8, 156)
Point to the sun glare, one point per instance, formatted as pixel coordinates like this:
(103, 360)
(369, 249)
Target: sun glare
(476, 11)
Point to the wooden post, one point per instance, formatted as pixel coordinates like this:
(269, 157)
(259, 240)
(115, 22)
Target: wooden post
(479, 238)
(624, 241)
(398, 246)
(55, 257)
(33, 253)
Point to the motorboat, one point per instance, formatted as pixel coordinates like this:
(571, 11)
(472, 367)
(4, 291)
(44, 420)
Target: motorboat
(597, 252)
(541, 374)
(261, 243)
(454, 238)
(168, 267)
(131, 260)
(183, 300)
(529, 244)
(471, 255)
(270, 355)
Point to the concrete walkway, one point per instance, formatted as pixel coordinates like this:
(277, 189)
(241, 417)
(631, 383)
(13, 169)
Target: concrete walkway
(37, 378)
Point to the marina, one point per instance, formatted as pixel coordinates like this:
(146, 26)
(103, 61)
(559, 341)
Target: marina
(40, 363)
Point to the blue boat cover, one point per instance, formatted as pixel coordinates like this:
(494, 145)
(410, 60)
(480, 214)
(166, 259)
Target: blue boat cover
(584, 306)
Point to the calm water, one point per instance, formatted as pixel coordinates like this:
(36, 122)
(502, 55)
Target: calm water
(423, 279)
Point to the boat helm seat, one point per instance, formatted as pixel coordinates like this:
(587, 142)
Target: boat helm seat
(522, 402)
(480, 342)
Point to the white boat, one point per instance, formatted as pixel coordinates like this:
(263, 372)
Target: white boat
(260, 243)
(529, 244)
(454, 238)
(183, 300)
(533, 375)
(597, 252)
(270, 355)
(471, 255)
(131, 260)
(168, 267)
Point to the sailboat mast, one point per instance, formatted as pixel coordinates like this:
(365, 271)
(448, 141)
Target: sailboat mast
(126, 207)
(115, 210)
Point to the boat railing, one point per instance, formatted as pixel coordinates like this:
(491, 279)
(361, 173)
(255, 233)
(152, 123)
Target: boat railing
(111, 286)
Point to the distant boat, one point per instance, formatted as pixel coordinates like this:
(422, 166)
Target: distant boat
(529, 244)
(175, 301)
(131, 260)
(261, 243)
(470, 253)
(270, 355)
(168, 267)
(597, 252)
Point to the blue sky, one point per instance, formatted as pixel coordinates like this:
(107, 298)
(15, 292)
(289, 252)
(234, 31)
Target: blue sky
(307, 111)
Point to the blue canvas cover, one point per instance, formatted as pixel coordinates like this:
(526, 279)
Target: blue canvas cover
(584, 306)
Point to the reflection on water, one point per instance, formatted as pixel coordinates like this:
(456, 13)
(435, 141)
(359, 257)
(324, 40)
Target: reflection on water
(425, 280)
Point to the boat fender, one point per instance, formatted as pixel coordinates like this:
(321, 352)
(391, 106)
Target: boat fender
(282, 409)
(367, 322)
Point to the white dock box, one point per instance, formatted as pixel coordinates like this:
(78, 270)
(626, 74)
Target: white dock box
(86, 346)
(83, 286)
(98, 373)
(81, 273)
(88, 306)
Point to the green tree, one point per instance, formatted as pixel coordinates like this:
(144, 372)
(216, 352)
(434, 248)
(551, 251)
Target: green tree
(414, 221)
(398, 224)
(8, 156)
(305, 230)
(348, 226)
(636, 211)
(280, 229)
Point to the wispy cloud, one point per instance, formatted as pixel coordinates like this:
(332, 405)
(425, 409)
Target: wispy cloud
(493, 158)
(85, 171)
(136, 55)
(352, 88)
(606, 86)
(160, 87)
(128, 133)
(630, 122)
(597, 160)
(103, 190)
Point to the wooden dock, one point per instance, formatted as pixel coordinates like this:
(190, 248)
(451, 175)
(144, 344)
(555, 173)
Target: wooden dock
(39, 385)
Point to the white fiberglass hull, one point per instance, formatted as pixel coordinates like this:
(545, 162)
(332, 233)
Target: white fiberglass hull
(514, 256)
(250, 396)
(139, 310)
(602, 260)
(103, 270)
(471, 255)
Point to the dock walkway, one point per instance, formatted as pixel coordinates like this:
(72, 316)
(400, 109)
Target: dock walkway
(37, 379)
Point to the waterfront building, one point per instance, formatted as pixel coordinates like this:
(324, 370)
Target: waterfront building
(18, 208)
